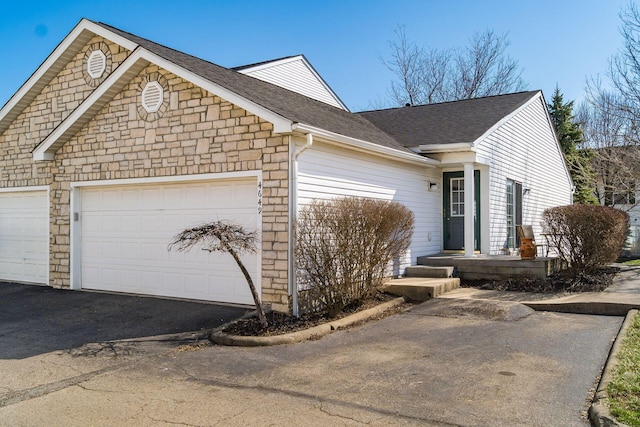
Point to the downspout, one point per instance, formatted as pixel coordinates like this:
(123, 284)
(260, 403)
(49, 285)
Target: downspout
(293, 208)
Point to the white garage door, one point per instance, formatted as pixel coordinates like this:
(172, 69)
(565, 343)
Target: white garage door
(24, 236)
(125, 231)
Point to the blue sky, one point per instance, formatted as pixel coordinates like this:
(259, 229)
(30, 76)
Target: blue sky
(555, 41)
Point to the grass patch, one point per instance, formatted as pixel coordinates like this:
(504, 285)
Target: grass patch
(624, 388)
(632, 262)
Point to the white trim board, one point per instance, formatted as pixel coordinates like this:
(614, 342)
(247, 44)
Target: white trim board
(68, 47)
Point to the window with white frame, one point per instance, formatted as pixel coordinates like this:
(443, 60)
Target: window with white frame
(457, 196)
(514, 211)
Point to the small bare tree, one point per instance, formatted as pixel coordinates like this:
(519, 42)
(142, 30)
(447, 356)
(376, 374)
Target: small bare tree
(428, 75)
(614, 147)
(483, 69)
(611, 118)
(222, 236)
(421, 73)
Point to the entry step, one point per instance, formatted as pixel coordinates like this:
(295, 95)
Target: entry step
(421, 288)
(428, 271)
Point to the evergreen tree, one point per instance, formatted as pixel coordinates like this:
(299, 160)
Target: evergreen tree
(571, 139)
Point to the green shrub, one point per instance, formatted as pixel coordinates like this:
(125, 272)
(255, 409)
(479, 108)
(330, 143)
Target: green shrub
(345, 247)
(586, 237)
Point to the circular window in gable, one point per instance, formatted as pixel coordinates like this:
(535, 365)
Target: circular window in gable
(152, 96)
(96, 64)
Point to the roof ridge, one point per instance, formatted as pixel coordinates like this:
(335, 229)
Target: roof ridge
(452, 101)
(268, 61)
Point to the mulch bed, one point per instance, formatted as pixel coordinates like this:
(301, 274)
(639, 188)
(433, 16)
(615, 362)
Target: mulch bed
(280, 323)
(561, 282)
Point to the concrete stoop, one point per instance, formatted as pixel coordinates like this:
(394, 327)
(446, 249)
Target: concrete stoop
(429, 271)
(421, 288)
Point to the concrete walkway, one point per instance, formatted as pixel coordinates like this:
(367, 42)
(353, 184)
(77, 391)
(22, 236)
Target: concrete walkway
(622, 296)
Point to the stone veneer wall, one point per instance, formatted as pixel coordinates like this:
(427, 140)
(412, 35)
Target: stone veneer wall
(56, 101)
(196, 133)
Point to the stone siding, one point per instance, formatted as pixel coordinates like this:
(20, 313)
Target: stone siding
(57, 100)
(196, 133)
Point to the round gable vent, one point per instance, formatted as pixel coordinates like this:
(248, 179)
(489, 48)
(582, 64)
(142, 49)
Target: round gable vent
(96, 64)
(152, 96)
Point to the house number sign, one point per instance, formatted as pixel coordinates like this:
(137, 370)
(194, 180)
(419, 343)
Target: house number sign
(259, 197)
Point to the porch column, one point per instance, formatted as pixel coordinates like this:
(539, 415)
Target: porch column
(469, 226)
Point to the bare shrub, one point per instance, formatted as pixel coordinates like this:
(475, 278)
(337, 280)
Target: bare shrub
(346, 246)
(586, 237)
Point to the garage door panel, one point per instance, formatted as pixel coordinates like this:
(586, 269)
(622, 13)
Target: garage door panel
(24, 227)
(132, 237)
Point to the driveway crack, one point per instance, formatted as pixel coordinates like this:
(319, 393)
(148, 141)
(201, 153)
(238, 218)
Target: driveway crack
(18, 396)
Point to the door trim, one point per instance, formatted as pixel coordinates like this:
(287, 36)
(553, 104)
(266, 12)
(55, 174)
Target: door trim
(446, 176)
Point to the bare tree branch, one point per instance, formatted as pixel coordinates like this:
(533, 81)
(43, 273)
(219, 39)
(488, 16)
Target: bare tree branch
(428, 75)
(222, 236)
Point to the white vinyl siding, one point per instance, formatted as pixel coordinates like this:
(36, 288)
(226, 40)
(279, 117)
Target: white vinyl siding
(125, 231)
(524, 149)
(295, 75)
(326, 172)
(24, 241)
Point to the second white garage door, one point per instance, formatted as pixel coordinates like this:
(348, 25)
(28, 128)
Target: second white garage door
(24, 236)
(125, 231)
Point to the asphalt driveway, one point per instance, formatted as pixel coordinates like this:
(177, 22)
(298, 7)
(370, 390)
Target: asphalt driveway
(442, 363)
(39, 319)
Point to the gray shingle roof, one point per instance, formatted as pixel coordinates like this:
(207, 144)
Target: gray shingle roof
(446, 123)
(291, 105)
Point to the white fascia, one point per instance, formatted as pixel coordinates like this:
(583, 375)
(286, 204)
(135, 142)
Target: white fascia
(68, 47)
(555, 136)
(90, 106)
(365, 146)
(446, 148)
(508, 117)
(306, 63)
(280, 123)
(130, 68)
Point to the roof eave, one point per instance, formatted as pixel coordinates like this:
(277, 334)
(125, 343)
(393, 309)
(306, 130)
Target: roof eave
(366, 146)
(131, 67)
(267, 64)
(446, 148)
(55, 62)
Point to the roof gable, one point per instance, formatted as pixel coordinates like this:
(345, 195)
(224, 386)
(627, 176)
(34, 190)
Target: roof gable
(288, 104)
(284, 108)
(456, 122)
(55, 62)
(294, 73)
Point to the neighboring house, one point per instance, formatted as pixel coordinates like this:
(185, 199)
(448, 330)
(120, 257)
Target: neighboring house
(117, 143)
(616, 185)
(616, 171)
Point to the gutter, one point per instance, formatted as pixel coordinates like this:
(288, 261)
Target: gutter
(365, 146)
(446, 148)
(293, 208)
